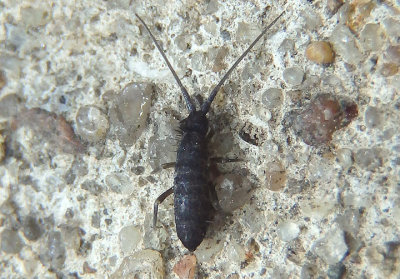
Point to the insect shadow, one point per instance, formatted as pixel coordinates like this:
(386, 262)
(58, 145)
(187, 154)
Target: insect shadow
(195, 199)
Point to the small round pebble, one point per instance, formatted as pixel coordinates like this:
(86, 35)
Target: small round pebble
(393, 54)
(129, 111)
(288, 231)
(373, 117)
(275, 176)
(294, 76)
(234, 191)
(11, 243)
(389, 69)
(129, 238)
(31, 228)
(332, 248)
(344, 44)
(119, 183)
(142, 264)
(92, 123)
(369, 159)
(272, 98)
(320, 52)
(186, 267)
(371, 37)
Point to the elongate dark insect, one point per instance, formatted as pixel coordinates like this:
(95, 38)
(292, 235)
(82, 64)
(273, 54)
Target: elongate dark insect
(194, 195)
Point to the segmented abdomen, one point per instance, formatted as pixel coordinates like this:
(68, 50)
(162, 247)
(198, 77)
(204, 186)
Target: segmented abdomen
(192, 204)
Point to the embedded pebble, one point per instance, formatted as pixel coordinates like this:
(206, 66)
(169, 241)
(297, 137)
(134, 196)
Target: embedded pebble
(349, 221)
(332, 6)
(320, 52)
(129, 111)
(233, 191)
(368, 158)
(373, 117)
(119, 183)
(235, 252)
(336, 271)
(35, 17)
(11, 243)
(186, 267)
(246, 32)
(208, 249)
(288, 231)
(252, 219)
(95, 220)
(31, 228)
(287, 45)
(92, 187)
(79, 168)
(71, 235)
(51, 128)
(332, 248)
(262, 113)
(154, 238)
(393, 54)
(371, 37)
(91, 123)
(275, 175)
(222, 143)
(358, 11)
(10, 105)
(321, 118)
(129, 238)
(219, 64)
(182, 42)
(142, 264)
(53, 253)
(392, 28)
(161, 151)
(312, 20)
(389, 69)
(272, 98)
(344, 157)
(344, 44)
(294, 76)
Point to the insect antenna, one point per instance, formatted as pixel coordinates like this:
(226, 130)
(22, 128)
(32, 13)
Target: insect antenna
(186, 96)
(206, 105)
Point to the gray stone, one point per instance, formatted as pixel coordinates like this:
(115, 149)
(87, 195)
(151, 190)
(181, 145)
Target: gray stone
(11, 243)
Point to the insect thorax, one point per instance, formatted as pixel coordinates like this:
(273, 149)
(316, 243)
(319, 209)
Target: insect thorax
(195, 122)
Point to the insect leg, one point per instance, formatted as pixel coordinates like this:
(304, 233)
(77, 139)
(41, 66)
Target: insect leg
(168, 165)
(159, 200)
(214, 198)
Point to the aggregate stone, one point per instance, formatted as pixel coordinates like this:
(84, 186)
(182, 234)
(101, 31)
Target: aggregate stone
(294, 76)
(92, 123)
(129, 111)
(129, 238)
(31, 228)
(11, 243)
(53, 253)
(145, 263)
(332, 248)
(345, 46)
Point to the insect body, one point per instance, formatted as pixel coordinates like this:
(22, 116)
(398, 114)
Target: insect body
(193, 192)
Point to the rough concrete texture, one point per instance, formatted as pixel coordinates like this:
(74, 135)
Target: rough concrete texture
(85, 211)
